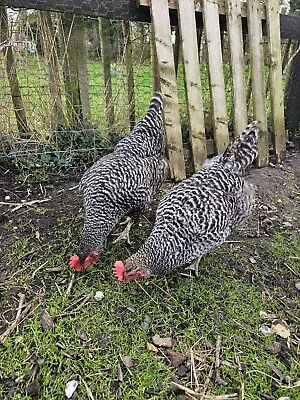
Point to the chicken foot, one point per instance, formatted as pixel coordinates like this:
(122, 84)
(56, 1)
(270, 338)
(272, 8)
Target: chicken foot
(124, 235)
(194, 266)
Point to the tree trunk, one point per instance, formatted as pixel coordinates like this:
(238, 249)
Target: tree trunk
(12, 75)
(51, 58)
(129, 70)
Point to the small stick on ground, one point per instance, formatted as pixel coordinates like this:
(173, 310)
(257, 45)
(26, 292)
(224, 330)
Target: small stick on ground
(219, 380)
(25, 204)
(72, 281)
(193, 370)
(88, 390)
(206, 383)
(15, 323)
(191, 392)
(277, 371)
(20, 306)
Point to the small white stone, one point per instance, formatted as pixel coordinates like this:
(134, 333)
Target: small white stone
(266, 330)
(70, 388)
(99, 295)
(6, 198)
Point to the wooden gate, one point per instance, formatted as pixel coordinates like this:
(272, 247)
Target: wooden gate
(234, 10)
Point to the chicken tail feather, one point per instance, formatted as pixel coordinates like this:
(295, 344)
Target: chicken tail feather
(156, 103)
(243, 150)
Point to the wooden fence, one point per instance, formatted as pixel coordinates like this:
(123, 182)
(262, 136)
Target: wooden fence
(234, 10)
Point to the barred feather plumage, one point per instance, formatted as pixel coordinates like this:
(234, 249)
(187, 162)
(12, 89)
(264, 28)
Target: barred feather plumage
(199, 213)
(125, 181)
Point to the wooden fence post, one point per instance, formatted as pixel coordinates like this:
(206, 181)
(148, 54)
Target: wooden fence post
(275, 77)
(83, 74)
(106, 56)
(257, 78)
(129, 72)
(166, 69)
(192, 81)
(12, 75)
(234, 26)
(215, 64)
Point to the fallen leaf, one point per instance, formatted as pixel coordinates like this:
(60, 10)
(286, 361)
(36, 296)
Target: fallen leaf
(182, 370)
(175, 358)
(81, 334)
(274, 348)
(46, 320)
(127, 362)
(99, 295)
(297, 285)
(33, 389)
(252, 260)
(131, 309)
(162, 342)
(151, 347)
(266, 330)
(284, 398)
(71, 386)
(281, 328)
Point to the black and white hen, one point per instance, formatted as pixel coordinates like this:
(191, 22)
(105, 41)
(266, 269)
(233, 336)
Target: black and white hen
(122, 184)
(199, 213)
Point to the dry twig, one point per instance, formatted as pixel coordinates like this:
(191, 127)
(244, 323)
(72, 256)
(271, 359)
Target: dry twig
(191, 392)
(206, 383)
(72, 281)
(219, 380)
(88, 390)
(16, 322)
(24, 204)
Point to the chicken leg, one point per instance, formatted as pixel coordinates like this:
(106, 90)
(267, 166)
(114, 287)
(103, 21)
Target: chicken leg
(124, 235)
(194, 266)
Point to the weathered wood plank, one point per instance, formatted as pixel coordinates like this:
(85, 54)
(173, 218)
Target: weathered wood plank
(199, 7)
(215, 65)
(11, 71)
(105, 58)
(275, 77)
(129, 72)
(192, 81)
(127, 9)
(166, 69)
(83, 76)
(257, 79)
(234, 23)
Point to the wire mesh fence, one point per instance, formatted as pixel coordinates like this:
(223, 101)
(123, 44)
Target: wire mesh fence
(73, 85)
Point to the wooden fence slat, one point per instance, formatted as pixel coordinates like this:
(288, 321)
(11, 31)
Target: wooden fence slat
(215, 64)
(82, 57)
(199, 7)
(276, 90)
(166, 69)
(257, 78)
(188, 32)
(234, 24)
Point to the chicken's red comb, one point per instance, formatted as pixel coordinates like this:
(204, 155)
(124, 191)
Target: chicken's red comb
(119, 270)
(75, 263)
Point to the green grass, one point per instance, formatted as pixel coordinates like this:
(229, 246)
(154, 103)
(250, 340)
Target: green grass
(191, 312)
(33, 77)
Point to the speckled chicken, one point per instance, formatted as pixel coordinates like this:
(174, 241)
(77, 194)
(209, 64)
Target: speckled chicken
(199, 213)
(122, 184)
